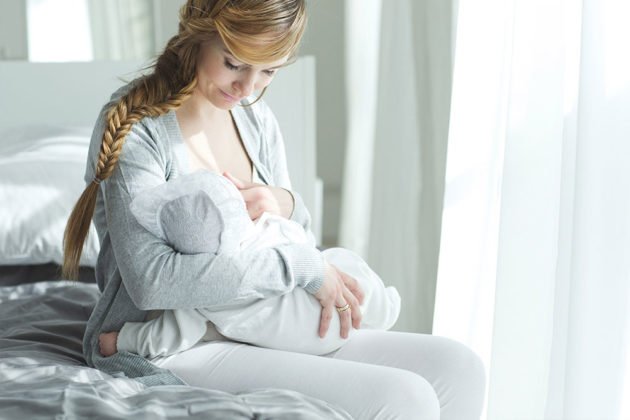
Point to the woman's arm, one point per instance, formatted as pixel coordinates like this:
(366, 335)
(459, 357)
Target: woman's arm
(158, 277)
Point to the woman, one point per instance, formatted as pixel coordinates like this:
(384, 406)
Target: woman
(183, 117)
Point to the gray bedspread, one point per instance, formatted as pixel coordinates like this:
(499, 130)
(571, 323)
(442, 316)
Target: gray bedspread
(43, 374)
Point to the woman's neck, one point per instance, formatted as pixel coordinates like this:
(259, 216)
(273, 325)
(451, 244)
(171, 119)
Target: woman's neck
(199, 108)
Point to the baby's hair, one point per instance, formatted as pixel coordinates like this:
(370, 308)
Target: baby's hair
(253, 31)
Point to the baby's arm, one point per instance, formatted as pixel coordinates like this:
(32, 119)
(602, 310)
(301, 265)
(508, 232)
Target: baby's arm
(171, 332)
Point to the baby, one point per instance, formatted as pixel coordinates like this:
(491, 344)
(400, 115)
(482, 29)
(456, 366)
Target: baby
(204, 212)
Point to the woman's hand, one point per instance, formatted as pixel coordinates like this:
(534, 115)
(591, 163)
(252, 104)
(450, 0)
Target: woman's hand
(260, 198)
(337, 291)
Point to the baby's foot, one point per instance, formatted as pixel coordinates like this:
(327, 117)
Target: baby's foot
(107, 343)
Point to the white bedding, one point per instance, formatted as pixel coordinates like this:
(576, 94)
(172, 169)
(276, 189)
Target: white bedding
(41, 177)
(43, 376)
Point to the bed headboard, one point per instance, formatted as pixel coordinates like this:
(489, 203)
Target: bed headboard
(73, 93)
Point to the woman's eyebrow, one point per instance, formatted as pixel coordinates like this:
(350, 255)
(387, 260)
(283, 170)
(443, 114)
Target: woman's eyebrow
(226, 51)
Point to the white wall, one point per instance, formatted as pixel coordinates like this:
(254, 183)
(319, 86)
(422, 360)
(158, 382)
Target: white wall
(167, 20)
(324, 39)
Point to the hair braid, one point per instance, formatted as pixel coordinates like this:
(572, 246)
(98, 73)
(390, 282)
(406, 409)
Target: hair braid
(130, 109)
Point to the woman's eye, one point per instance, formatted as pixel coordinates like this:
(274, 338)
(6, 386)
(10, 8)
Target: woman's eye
(230, 65)
(235, 67)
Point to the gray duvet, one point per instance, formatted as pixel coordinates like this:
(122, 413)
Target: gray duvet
(43, 374)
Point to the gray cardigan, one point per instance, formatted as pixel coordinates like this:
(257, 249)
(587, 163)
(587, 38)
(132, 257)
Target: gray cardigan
(137, 272)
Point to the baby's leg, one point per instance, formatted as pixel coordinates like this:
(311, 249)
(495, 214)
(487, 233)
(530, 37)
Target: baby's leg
(381, 305)
(169, 333)
(107, 343)
(289, 322)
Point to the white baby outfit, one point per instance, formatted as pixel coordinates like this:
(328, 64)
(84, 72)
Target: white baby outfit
(204, 212)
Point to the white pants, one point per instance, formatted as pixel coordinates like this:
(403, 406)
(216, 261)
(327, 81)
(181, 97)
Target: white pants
(375, 375)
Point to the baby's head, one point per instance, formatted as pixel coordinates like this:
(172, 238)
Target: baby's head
(195, 213)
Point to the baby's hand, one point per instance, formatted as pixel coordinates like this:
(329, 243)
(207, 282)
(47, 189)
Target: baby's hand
(107, 343)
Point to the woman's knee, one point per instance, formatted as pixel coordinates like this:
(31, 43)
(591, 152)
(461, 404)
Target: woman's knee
(466, 364)
(463, 378)
(402, 394)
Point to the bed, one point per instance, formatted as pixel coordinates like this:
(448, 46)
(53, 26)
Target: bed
(47, 111)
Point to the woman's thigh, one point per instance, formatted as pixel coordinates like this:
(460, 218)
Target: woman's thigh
(365, 391)
(455, 372)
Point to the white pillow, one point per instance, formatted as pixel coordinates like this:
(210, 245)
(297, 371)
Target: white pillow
(41, 178)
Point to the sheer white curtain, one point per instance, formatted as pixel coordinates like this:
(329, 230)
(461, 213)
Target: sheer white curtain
(124, 29)
(398, 73)
(534, 268)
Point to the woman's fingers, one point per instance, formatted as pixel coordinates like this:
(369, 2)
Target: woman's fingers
(344, 317)
(353, 285)
(324, 322)
(355, 308)
(334, 296)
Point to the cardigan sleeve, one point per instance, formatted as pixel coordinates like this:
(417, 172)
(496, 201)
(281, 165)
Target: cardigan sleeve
(158, 277)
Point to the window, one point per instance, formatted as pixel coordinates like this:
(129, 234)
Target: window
(59, 30)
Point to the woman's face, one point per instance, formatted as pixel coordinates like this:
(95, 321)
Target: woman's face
(224, 80)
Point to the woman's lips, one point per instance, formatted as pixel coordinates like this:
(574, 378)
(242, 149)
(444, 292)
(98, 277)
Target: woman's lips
(229, 97)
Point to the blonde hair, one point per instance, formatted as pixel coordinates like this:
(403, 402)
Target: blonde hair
(254, 31)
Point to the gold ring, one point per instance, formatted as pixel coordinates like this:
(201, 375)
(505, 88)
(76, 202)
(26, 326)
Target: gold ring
(341, 309)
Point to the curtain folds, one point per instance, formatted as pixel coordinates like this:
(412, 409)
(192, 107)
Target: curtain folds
(399, 80)
(534, 271)
(123, 29)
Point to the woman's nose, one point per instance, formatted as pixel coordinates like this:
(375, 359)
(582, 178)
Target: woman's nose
(245, 85)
